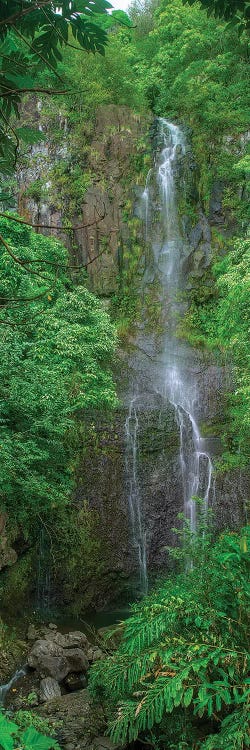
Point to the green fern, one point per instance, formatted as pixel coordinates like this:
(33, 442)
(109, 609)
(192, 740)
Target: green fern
(185, 649)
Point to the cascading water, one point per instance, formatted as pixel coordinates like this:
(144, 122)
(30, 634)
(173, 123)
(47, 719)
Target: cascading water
(4, 689)
(196, 465)
(175, 367)
(134, 499)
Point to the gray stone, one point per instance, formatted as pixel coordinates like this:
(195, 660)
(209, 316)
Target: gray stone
(51, 660)
(53, 666)
(42, 648)
(32, 633)
(49, 688)
(75, 639)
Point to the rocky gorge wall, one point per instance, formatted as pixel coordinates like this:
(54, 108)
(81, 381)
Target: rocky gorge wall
(104, 229)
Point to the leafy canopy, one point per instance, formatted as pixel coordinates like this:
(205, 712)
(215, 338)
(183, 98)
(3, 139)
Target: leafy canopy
(55, 351)
(236, 11)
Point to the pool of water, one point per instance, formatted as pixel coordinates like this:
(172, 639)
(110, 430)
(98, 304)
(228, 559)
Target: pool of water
(91, 621)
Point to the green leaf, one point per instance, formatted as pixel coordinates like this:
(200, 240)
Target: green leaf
(34, 740)
(7, 729)
(188, 697)
(29, 135)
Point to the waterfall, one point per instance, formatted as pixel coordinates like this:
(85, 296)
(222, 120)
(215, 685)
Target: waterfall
(134, 498)
(180, 388)
(195, 462)
(176, 374)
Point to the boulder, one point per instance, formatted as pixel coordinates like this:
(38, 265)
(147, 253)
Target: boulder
(51, 660)
(49, 689)
(97, 654)
(43, 648)
(68, 640)
(77, 660)
(94, 654)
(79, 718)
(53, 666)
(32, 633)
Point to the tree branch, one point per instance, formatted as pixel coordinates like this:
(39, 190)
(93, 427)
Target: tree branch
(20, 261)
(23, 12)
(38, 54)
(24, 299)
(54, 226)
(50, 92)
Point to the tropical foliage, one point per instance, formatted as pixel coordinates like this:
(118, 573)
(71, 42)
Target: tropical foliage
(56, 343)
(32, 39)
(13, 738)
(236, 11)
(221, 323)
(180, 677)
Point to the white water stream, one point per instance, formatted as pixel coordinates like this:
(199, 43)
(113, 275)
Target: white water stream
(179, 384)
(134, 495)
(4, 689)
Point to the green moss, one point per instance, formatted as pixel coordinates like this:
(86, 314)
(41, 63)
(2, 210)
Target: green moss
(69, 186)
(35, 190)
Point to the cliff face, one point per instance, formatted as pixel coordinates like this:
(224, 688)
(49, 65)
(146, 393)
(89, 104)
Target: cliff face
(79, 187)
(97, 210)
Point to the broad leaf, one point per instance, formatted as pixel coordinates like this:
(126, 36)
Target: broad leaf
(34, 740)
(29, 135)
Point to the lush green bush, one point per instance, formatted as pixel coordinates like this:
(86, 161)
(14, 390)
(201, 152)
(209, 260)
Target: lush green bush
(180, 677)
(56, 344)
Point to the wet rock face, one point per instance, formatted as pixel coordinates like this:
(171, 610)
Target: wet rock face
(104, 481)
(105, 475)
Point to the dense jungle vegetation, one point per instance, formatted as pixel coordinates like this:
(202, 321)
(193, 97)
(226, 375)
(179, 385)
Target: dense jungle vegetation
(180, 676)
